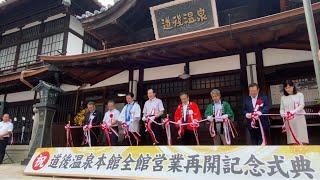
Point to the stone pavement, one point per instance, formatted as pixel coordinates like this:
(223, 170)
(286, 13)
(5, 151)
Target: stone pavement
(15, 171)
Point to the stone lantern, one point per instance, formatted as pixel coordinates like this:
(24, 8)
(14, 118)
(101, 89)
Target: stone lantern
(44, 114)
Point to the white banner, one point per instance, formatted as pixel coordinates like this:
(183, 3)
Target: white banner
(179, 162)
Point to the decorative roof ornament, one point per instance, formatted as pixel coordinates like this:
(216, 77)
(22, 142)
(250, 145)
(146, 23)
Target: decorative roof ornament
(66, 3)
(105, 8)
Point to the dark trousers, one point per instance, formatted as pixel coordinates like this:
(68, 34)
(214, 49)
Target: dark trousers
(126, 141)
(255, 135)
(3, 145)
(114, 137)
(188, 138)
(94, 134)
(158, 132)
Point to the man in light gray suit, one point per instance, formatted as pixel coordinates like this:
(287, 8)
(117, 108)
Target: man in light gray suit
(130, 116)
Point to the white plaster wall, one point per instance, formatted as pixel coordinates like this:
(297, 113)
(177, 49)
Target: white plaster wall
(251, 68)
(163, 72)
(2, 97)
(120, 78)
(136, 75)
(76, 25)
(251, 58)
(57, 16)
(68, 87)
(20, 96)
(215, 65)
(74, 45)
(10, 31)
(273, 56)
(31, 24)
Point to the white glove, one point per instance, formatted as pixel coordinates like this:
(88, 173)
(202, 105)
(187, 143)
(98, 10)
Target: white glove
(179, 122)
(152, 118)
(128, 123)
(248, 115)
(219, 119)
(144, 118)
(210, 118)
(259, 113)
(225, 116)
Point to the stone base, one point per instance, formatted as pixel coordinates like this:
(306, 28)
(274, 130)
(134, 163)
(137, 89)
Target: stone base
(16, 153)
(25, 161)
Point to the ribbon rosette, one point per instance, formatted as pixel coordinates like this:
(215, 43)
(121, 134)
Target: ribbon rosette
(289, 116)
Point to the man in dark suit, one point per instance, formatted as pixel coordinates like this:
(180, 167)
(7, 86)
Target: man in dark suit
(94, 118)
(248, 108)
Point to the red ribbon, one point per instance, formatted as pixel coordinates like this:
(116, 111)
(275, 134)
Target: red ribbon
(126, 132)
(212, 130)
(229, 127)
(69, 135)
(288, 117)
(256, 117)
(148, 124)
(166, 123)
(180, 131)
(136, 136)
(86, 133)
(106, 131)
(195, 125)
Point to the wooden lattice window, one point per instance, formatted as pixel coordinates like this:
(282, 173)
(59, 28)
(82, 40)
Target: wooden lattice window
(7, 57)
(28, 53)
(222, 81)
(55, 25)
(30, 33)
(52, 45)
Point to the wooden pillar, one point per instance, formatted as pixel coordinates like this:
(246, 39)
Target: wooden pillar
(104, 99)
(131, 80)
(65, 34)
(16, 59)
(188, 81)
(283, 5)
(4, 104)
(140, 88)
(243, 73)
(41, 31)
(260, 72)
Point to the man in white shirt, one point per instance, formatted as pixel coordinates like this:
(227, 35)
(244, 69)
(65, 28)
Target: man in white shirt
(153, 108)
(111, 118)
(6, 128)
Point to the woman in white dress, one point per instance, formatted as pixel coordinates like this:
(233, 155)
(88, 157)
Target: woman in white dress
(291, 108)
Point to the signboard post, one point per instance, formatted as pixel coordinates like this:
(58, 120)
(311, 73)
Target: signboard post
(183, 16)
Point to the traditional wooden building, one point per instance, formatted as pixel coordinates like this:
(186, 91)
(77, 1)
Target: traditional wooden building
(256, 41)
(28, 29)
